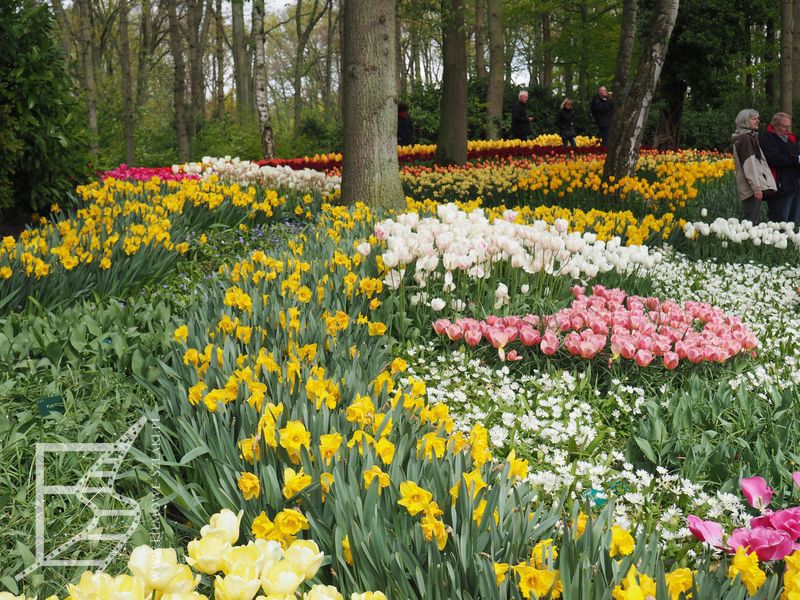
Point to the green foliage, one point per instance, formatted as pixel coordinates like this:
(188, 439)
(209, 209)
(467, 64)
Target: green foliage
(43, 144)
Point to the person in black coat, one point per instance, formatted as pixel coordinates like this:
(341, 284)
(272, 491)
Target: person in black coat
(601, 110)
(783, 156)
(565, 124)
(405, 126)
(520, 121)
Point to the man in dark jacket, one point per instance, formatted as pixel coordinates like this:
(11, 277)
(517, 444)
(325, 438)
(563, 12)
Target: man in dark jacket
(783, 156)
(601, 109)
(405, 126)
(520, 121)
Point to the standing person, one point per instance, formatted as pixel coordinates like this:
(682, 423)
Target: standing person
(601, 109)
(783, 156)
(405, 126)
(565, 123)
(520, 121)
(753, 176)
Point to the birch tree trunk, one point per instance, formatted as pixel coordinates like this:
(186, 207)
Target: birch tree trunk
(262, 105)
(179, 83)
(627, 126)
(127, 83)
(451, 145)
(370, 171)
(480, 45)
(787, 35)
(627, 36)
(494, 95)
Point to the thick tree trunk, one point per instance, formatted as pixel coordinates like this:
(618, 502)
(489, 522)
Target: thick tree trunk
(88, 68)
(494, 95)
(179, 85)
(219, 60)
(262, 106)
(787, 39)
(127, 83)
(241, 79)
(547, 52)
(627, 36)
(480, 43)
(451, 145)
(370, 171)
(627, 126)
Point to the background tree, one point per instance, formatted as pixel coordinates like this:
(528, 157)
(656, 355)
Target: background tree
(370, 171)
(630, 115)
(451, 145)
(262, 101)
(494, 95)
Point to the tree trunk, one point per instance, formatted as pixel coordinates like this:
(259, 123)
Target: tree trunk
(494, 96)
(747, 52)
(787, 35)
(328, 84)
(262, 106)
(88, 67)
(143, 59)
(627, 36)
(370, 171)
(630, 115)
(398, 52)
(179, 85)
(303, 33)
(796, 52)
(585, 49)
(547, 53)
(127, 84)
(219, 56)
(65, 30)
(668, 131)
(451, 145)
(769, 78)
(198, 22)
(241, 79)
(480, 46)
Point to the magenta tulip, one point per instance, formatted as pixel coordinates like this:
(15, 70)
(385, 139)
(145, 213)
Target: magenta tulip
(709, 532)
(757, 492)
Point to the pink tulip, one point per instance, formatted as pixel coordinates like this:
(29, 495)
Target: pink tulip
(513, 356)
(796, 478)
(709, 532)
(757, 492)
(473, 337)
(454, 332)
(787, 520)
(440, 326)
(767, 543)
(671, 360)
(497, 337)
(529, 336)
(549, 343)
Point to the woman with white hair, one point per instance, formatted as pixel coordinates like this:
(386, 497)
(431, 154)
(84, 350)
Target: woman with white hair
(753, 175)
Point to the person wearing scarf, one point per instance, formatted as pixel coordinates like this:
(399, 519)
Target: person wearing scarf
(753, 175)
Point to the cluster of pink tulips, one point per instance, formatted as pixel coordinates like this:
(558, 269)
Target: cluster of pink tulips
(632, 327)
(124, 172)
(772, 536)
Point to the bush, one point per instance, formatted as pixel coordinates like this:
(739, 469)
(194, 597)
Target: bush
(43, 144)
